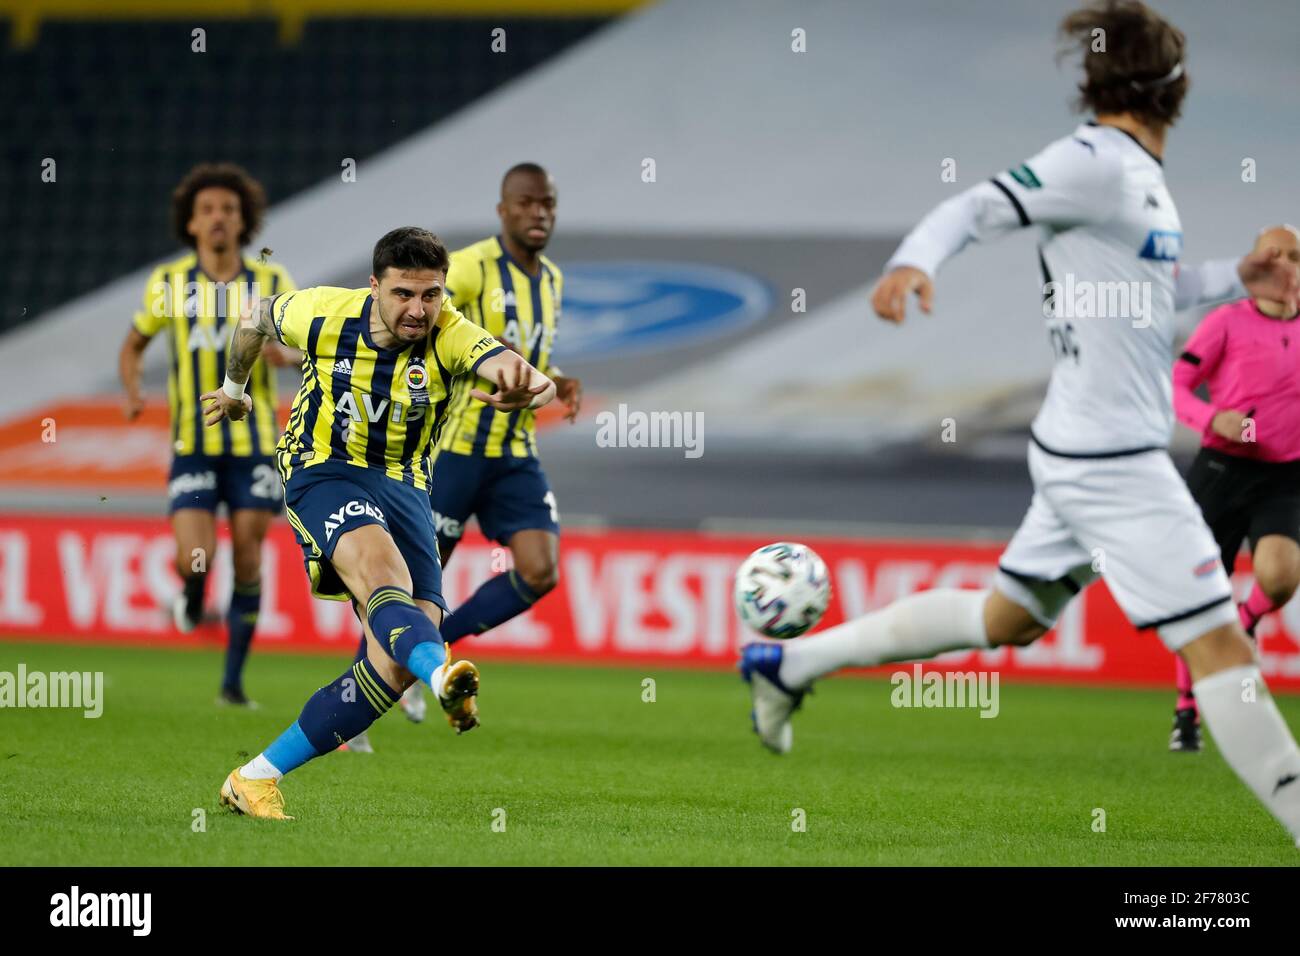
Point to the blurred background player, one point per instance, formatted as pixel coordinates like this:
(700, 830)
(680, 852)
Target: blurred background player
(1103, 481)
(216, 210)
(1246, 477)
(486, 463)
(377, 375)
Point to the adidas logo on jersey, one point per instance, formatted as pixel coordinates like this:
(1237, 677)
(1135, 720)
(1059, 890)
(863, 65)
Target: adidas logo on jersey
(343, 367)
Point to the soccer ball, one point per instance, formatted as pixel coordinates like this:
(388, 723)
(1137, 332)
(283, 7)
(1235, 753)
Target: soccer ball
(782, 590)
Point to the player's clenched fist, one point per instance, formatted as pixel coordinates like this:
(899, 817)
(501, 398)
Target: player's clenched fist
(218, 405)
(889, 298)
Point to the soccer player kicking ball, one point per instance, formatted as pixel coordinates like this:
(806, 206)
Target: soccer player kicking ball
(1103, 482)
(378, 372)
(217, 209)
(1246, 477)
(486, 464)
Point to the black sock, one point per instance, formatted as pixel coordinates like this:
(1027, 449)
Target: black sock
(194, 587)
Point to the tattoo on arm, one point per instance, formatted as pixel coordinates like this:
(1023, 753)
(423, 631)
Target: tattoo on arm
(246, 343)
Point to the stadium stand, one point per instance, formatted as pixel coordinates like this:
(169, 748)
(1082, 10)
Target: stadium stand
(138, 108)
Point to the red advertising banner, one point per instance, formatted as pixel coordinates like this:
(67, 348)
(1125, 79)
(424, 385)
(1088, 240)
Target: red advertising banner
(624, 597)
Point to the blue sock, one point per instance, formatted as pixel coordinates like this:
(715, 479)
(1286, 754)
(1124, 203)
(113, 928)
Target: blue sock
(241, 620)
(405, 632)
(333, 715)
(497, 601)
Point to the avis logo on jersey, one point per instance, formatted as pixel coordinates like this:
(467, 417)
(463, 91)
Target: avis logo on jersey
(358, 407)
(355, 407)
(512, 336)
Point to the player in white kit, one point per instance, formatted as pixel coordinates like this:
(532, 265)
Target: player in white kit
(1107, 499)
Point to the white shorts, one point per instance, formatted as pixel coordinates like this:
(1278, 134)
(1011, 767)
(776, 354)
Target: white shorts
(1129, 519)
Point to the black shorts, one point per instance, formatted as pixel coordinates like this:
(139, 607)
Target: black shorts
(1242, 498)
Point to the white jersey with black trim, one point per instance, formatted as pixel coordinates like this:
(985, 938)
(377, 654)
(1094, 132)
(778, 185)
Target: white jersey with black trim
(1110, 238)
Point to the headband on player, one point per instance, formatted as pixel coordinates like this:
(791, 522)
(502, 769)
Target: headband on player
(1165, 80)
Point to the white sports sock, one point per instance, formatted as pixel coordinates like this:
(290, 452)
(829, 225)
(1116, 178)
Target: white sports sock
(259, 768)
(1254, 739)
(435, 679)
(915, 627)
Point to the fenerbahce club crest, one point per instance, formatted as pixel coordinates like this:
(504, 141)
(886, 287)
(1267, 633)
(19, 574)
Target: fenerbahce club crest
(417, 381)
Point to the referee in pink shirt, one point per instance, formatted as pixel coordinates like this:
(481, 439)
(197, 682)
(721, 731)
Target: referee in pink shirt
(1246, 477)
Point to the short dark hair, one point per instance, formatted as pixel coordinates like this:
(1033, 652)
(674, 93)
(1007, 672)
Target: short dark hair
(1140, 68)
(532, 168)
(409, 247)
(252, 198)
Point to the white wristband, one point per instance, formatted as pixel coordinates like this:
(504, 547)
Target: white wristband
(234, 389)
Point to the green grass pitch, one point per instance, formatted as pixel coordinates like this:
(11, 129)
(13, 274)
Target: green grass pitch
(586, 772)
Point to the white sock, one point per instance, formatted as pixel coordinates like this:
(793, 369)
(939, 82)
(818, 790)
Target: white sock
(259, 768)
(915, 627)
(1254, 739)
(435, 679)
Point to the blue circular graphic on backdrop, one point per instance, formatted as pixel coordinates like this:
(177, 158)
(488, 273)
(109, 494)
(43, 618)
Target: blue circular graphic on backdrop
(620, 308)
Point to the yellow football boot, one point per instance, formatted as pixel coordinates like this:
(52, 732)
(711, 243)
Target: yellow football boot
(253, 798)
(458, 694)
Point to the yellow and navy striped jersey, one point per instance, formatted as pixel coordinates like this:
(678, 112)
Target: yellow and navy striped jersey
(373, 407)
(494, 291)
(199, 314)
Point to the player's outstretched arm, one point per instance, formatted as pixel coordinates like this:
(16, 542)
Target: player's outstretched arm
(519, 385)
(1067, 184)
(255, 328)
(978, 214)
(1262, 274)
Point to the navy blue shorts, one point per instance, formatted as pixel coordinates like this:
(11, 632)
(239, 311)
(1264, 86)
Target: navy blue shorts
(326, 501)
(505, 494)
(204, 481)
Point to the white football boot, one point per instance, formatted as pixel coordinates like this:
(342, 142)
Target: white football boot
(414, 706)
(179, 617)
(774, 702)
(360, 744)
